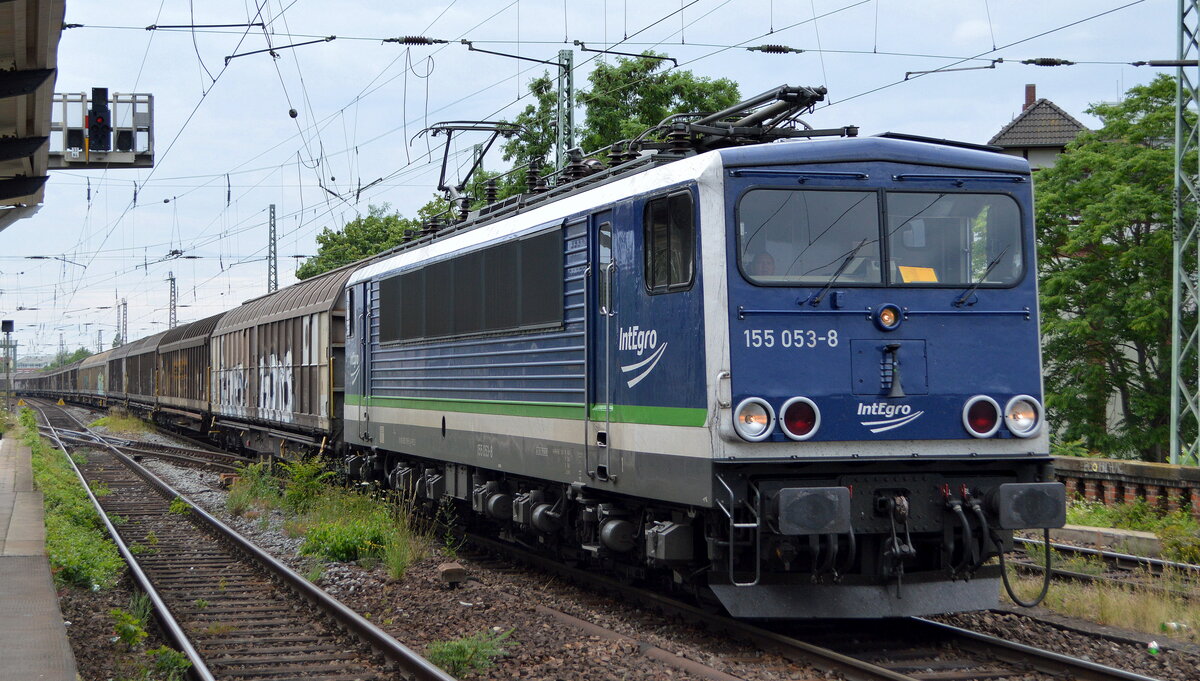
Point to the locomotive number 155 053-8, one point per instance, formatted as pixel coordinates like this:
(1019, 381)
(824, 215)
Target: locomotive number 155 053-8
(790, 338)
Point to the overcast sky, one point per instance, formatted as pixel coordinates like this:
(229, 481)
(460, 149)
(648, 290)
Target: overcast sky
(226, 147)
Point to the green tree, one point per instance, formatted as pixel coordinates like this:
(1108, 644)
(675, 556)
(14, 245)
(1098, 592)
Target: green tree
(1104, 215)
(631, 95)
(65, 358)
(364, 236)
(535, 141)
(624, 98)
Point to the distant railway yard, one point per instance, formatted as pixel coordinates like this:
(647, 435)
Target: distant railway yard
(523, 616)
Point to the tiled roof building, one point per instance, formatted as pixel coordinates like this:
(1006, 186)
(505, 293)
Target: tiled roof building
(1039, 133)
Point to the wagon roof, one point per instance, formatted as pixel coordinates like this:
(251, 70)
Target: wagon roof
(56, 370)
(189, 335)
(97, 360)
(138, 347)
(319, 294)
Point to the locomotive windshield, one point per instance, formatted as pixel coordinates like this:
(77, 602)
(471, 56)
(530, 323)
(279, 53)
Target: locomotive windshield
(803, 237)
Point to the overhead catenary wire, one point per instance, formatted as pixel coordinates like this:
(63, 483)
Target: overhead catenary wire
(350, 149)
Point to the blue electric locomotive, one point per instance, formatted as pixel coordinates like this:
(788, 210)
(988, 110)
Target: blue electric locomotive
(803, 375)
(800, 374)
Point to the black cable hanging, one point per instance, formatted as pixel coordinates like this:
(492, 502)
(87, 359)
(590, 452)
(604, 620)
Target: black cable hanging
(1004, 572)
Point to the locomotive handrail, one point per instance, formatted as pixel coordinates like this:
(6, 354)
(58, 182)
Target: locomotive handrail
(958, 179)
(867, 311)
(766, 172)
(734, 526)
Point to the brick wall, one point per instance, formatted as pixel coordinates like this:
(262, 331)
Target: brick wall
(1110, 481)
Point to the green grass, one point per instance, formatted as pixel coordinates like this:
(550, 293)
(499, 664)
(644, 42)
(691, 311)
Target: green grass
(342, 525)
(306, 482)
(1138, 516)
(1083, 564)
(337, 524)
(1177, 530)
(469, 654)
(78, 547)
(118, 421)
(129, 629)
(169, 664)
(1121, 604)
(254, 489)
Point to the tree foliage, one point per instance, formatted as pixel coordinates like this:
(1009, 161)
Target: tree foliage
(624, 98)
(364, 236)
(1104, 215)
(65, 358)
(631, 95)
(535, 141)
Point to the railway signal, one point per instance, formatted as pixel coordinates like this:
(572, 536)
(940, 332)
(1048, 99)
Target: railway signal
(99, 121)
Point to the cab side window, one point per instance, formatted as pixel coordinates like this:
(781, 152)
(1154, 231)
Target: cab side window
(670, 238)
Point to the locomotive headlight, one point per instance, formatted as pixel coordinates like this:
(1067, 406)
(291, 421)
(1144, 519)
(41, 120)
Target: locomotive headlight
(888, 318)
(800, 418)
(754, 419)
(1023, 416)
(981, 416)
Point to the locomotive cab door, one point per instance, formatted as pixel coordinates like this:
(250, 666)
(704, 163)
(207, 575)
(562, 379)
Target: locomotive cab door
(358, 347)
(602, 330)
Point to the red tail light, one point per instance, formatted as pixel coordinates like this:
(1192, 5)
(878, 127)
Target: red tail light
(801, 418)
(981, 416)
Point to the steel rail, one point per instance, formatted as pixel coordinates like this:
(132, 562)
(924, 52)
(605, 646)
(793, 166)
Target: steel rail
(166, 620)
(1115, 556)
(172, 456)
(1071, 667)
(418, 667)
(824, 659)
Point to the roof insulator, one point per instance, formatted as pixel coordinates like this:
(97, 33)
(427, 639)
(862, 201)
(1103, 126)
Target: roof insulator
(774, 49)
(616, 153)
(1047, 61)
(531, 175)
(414, 40)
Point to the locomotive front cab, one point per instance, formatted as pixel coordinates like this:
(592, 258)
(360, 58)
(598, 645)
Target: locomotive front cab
(884, 429)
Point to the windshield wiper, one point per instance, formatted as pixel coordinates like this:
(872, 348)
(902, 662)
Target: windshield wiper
(841, 268)
(987, 270)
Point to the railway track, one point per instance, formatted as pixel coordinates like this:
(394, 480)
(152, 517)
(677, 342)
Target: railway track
(895, 650)
(198, 454)
(908, 649)
(224, 462)
(1144, 572)
(235, 611)
(1116, 560)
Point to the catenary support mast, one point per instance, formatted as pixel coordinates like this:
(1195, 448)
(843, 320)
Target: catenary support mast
(1185, 297)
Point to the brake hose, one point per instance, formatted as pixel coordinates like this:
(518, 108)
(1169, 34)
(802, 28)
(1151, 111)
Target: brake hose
(1004, 572)
(852, 550)
(968, 540)
(984, 533)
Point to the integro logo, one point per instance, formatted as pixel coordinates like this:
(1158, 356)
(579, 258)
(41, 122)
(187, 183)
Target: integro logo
(638, 341)
(894, 415)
